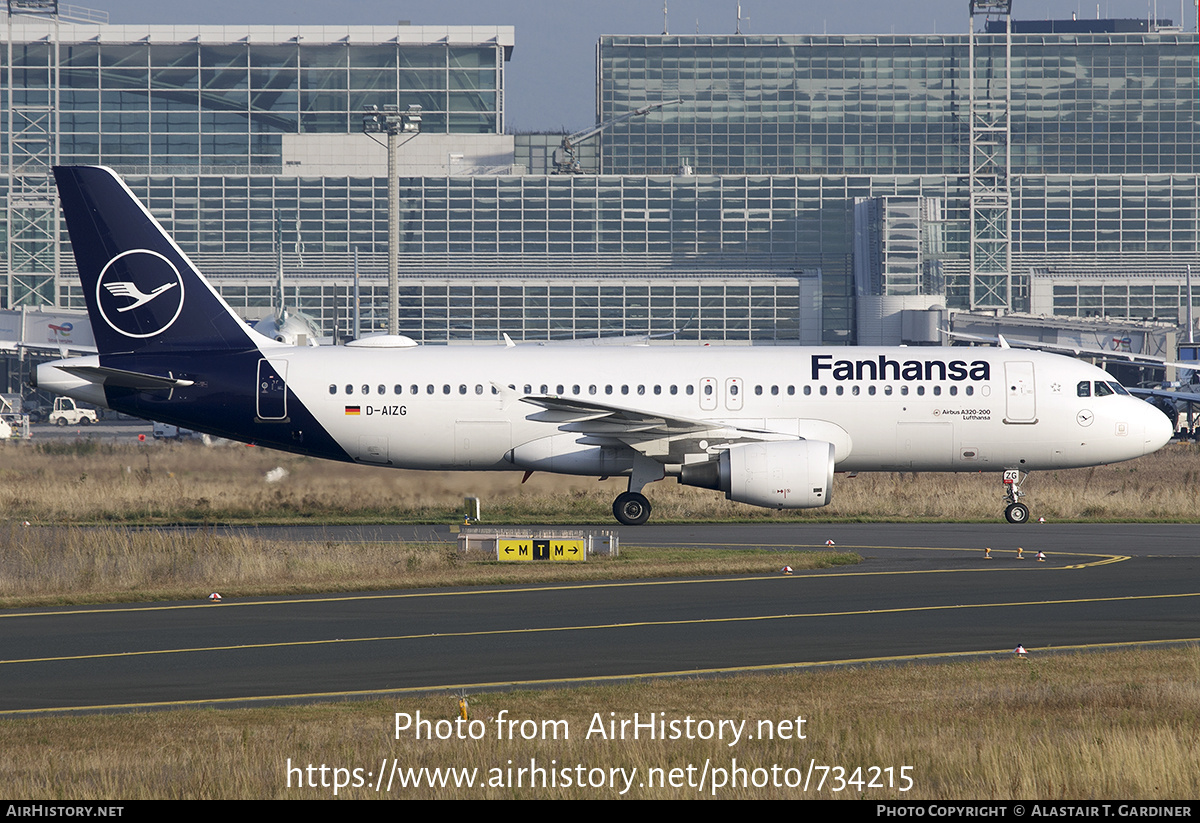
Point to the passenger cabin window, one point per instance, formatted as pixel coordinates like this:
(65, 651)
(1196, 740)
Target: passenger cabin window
(381, 389)
(399, 389)
(332, 388)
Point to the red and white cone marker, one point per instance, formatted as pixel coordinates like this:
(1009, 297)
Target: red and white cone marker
(1041, 557)
(829, 543)
(1019, 651)
(786, 570)
(214, 597)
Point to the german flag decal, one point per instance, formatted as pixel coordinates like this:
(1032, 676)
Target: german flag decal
(353, 410)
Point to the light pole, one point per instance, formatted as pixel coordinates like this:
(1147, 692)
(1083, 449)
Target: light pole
(393, 122)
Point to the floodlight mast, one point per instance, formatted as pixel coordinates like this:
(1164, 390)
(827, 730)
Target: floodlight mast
(392, 122)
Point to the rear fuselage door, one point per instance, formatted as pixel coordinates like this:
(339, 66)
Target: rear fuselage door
(272, 390)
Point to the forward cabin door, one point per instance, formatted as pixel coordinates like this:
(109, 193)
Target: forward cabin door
(1018, 386)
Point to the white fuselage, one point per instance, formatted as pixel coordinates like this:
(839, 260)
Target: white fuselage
(980, 410)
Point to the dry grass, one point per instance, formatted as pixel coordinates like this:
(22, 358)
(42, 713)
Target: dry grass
(60, 565)
(191, 483)
(1120, 725)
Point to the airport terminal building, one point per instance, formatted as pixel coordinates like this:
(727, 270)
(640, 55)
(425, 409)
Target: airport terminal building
(800, 184)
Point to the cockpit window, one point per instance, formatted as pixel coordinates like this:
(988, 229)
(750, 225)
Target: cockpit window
(1118, 388)
(1084, 389)
(1103, 389)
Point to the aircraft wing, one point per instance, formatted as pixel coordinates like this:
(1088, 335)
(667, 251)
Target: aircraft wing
(663, 438)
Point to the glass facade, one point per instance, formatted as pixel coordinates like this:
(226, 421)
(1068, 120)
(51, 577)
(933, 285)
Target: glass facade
(1105, 147)
(196, 119)
(879, 104)
(159, 105)
(784, 134)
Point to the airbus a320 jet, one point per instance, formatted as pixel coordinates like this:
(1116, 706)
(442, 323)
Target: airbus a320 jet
(765, 426)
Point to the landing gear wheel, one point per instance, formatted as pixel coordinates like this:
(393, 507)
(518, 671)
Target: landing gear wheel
(1017, 513)
(631, 508)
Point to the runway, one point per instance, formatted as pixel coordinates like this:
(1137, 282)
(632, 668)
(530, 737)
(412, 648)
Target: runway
(922, 592)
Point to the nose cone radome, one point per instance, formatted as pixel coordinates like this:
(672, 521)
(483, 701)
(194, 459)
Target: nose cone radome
(1158, 429)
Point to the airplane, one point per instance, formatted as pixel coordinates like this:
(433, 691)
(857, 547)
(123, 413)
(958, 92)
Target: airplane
(766, 426)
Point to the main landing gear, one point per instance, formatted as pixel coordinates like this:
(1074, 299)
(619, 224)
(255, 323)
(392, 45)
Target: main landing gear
(1016, 512)
(631, 508)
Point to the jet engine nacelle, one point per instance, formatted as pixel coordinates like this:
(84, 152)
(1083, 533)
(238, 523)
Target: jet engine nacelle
(781, 474)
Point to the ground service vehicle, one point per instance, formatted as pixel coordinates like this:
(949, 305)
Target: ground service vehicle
(67, 413)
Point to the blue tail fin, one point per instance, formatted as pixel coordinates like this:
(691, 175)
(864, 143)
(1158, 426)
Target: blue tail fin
(143, 293)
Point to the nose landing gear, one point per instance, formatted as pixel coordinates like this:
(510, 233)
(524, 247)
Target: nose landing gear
(1016, 512)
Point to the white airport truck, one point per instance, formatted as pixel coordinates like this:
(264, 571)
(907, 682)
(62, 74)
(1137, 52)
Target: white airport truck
(66, 413)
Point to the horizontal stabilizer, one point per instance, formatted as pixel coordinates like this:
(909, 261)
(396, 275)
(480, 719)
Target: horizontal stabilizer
(125, 379)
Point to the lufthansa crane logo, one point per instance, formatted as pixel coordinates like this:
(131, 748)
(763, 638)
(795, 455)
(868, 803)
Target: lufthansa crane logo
(139, 293)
